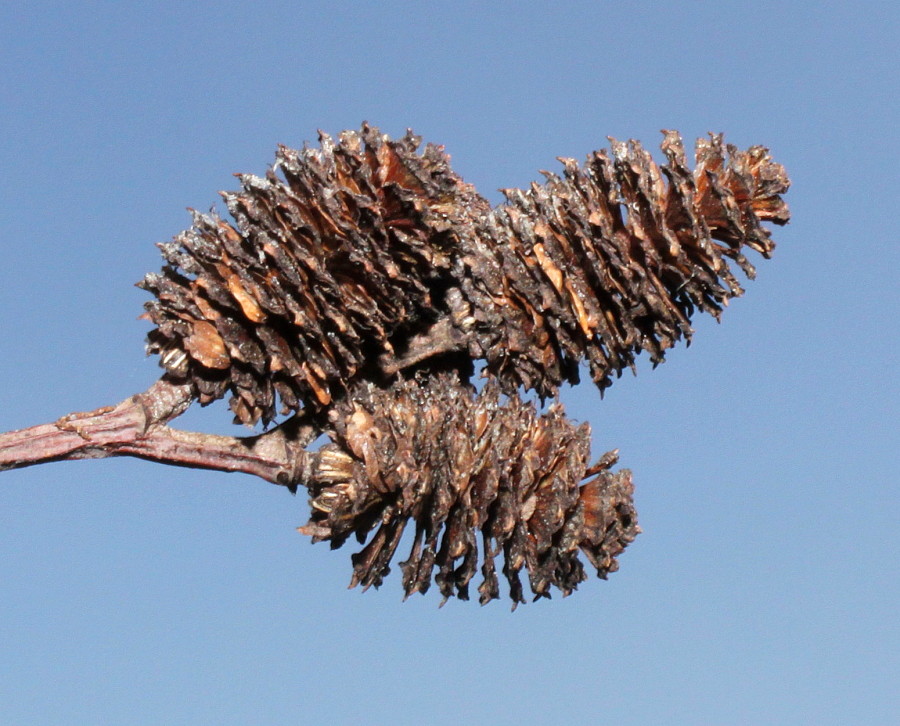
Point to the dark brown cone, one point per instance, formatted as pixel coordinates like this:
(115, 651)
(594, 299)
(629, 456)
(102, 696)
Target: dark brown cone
(613, 258)
(476, 475)
(324, 269)
(366, 257)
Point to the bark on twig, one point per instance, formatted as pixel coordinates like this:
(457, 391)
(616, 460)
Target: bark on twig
(137, 427)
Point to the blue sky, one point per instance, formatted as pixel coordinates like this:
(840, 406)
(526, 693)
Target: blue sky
(764, 589)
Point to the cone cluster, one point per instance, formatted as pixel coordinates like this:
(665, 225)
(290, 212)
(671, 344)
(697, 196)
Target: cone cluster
(473, 475)
(360, 282)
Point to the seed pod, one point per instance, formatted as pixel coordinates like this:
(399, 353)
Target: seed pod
(475, 475)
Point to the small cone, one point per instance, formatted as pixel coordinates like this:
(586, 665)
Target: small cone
(474, 476)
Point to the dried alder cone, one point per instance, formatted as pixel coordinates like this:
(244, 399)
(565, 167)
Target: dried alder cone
(356, 289)
(325, 270)
(473, 473)
(365, 257)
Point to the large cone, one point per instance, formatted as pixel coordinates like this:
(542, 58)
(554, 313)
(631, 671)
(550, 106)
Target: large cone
(366, 256)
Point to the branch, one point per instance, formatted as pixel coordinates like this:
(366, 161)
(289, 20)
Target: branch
(136, 427)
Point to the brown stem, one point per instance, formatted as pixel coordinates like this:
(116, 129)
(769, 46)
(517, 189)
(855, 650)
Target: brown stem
(442, 337)
(136, 427)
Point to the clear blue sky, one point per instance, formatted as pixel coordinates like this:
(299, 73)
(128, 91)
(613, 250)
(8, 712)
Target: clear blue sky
(764, 589)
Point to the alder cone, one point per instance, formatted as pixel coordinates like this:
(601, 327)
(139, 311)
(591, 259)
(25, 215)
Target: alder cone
(366, 257)
(324, 269)
(476, 475)
(614, 257)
